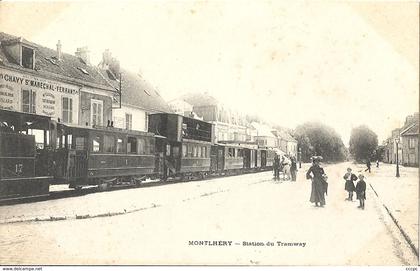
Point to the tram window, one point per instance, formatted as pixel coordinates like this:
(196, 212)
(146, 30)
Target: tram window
(239, 152)
(120, 145)
(132, 145)
(69, 141)
(109, 142)
(80, 143)
(96, 144)
(190, 151)
(194, 151)
(184, 150)
(39, 138)
(175, 151)
(151, 146)
(199, 151)
(168, 150)
(231, 152)
(204, 152)
(141, 146)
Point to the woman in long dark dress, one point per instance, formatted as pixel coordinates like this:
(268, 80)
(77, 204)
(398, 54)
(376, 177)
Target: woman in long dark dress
(319, 185)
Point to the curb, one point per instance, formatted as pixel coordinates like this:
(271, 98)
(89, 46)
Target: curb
(404, 234)
(76, 217)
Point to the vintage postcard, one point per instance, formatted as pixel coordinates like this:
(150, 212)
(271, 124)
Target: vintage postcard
(239, 133)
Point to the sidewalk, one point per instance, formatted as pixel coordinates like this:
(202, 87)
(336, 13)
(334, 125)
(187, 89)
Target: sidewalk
(399, 195)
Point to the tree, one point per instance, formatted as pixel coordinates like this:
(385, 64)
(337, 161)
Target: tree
(315, 138)
(363, 143)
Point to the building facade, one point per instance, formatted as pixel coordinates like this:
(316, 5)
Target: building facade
(38, 80)
(286, 143)
(138, 98)
(408, 145)
(229, 125)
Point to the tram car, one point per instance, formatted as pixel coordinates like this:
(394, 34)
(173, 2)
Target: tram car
(104, 156)
(36, 151)
(230, 157)
(186, 143)
(24, 164)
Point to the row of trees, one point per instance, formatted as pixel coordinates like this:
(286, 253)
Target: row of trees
(315, 138)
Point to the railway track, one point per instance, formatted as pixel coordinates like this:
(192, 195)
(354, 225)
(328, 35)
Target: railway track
(94, 189)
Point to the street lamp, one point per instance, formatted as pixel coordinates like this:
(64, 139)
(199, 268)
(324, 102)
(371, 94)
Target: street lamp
(397, 141)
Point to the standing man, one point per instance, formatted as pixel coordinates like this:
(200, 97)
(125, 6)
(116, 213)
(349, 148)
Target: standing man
(368, 165)
(293, 169)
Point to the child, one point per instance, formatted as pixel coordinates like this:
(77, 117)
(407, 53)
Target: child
(349, 186)
(361, 191)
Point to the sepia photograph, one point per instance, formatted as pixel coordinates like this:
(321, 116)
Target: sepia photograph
(209, 133)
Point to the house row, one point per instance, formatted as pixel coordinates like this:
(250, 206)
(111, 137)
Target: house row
(407, 140)
(232, 126)
(70, 89)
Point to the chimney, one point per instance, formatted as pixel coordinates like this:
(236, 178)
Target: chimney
(59, 50)
(114, 66)
(106, 58)
(83, 53)
(110, 63)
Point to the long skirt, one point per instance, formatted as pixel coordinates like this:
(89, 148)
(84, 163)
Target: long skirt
(318, 190)
(349, 186)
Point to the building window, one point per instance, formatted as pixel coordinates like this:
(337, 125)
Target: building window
(412, 143)
(67, 110)
(128, 121)
(27, 57)
(28, 101)
(96, 112)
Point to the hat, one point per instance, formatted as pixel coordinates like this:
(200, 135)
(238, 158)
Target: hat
(316, 158)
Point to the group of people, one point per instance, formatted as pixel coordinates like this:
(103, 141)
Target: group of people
(320, 185)
(360, 187)
(287, 167)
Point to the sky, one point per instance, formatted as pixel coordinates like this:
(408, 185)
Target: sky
(342, 63)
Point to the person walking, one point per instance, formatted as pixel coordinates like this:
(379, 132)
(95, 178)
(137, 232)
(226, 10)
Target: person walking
(276, 167)
(368, 165)
(349, 185)
(319, 185)
(361, 191)
(293, 169)
(377, 163)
